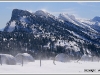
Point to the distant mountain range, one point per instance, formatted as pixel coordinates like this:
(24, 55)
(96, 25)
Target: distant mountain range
(62, 34)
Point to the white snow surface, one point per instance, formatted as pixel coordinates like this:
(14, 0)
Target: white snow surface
(47, 67)
(44, 13)
(23, 19)
(12, 26)
(68, 17)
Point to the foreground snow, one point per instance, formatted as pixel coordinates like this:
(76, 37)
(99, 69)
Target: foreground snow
(49, 67)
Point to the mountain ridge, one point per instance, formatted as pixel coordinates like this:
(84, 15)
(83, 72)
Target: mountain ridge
(68, 35)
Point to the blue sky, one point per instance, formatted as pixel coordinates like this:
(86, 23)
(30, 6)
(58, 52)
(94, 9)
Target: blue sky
(86, 10)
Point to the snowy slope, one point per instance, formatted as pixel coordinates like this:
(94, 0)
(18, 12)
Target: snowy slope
(12, 26)
(66, 31)
(91, 27)
(76, 21)
(94, 23)
(67, 17)
(85, 23)
(43, 13)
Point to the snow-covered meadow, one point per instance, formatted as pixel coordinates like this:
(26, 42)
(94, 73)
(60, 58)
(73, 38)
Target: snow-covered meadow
(47, 67)
(24, 63)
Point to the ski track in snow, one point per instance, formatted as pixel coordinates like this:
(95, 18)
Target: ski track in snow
(49, 68)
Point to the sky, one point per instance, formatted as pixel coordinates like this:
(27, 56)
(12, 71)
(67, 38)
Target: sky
(86, 10)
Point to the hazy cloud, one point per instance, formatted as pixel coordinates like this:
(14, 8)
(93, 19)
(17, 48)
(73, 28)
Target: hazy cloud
(87, 4)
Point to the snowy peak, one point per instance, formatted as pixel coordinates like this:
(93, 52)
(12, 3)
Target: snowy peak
(70, 16)
(67, 17)
(43, 13)
(97, 19)
(24, 19)
(19, 21)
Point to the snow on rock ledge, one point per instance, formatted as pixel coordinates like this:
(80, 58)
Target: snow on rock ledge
(62, 58)
(12, 26)
(7, 59)
(25, 57)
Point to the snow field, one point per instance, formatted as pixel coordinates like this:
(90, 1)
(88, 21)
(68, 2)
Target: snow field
(62, 65)
(49, 68)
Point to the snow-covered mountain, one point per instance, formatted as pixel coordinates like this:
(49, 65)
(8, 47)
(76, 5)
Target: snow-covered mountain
(90, 24)
(63, 34)
(91, 27)
(43, 13)
(97, 18)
